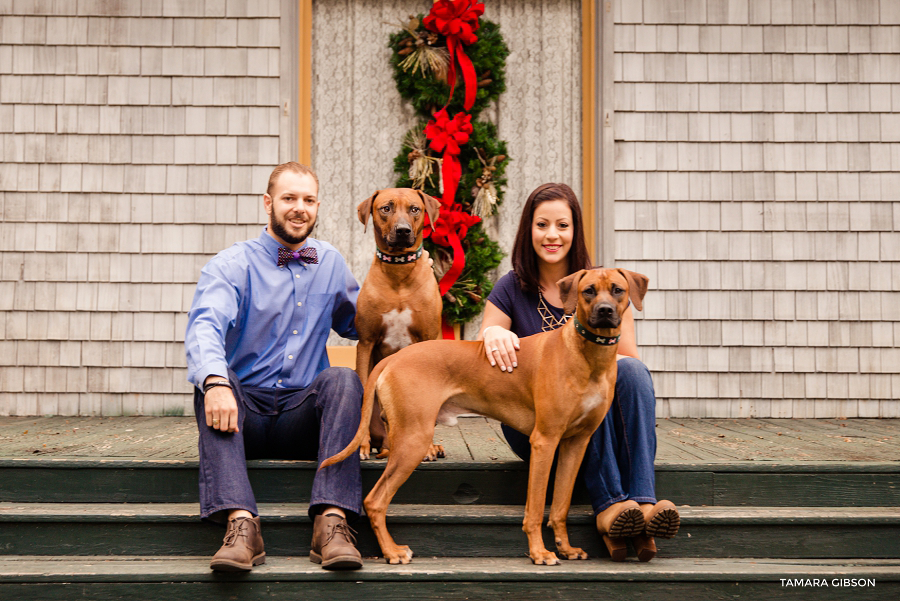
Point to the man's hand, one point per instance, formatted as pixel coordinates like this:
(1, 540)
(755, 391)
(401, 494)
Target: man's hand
(220, 407)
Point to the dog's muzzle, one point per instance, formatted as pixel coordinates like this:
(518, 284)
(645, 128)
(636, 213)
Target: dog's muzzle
(401, 236)
(604, 315)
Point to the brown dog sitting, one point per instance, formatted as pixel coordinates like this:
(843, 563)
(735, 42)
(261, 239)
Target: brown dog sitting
(559, 394)
(399, 303)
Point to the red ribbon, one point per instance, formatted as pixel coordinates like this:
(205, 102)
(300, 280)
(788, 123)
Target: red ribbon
(447, 330)
(447, 135)
(449, 230)
(457, 20)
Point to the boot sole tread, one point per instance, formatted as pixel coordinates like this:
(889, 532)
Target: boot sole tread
(664, 524)
(628, 523)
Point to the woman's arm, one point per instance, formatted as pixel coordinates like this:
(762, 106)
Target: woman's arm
(628, 342)
(500, 344)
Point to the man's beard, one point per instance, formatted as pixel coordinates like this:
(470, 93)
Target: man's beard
(278, 228)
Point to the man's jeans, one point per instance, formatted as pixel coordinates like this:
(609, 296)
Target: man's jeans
(278, 423)
(618, 462)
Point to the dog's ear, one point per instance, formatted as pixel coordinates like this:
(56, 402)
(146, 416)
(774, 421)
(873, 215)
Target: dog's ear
(365, 209)
(637, 287)
(568, 291)
(432, 207)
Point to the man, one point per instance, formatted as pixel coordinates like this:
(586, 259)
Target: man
(255, 346)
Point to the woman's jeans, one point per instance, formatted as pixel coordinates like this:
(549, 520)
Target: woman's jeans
(618, 463)
(281, 423)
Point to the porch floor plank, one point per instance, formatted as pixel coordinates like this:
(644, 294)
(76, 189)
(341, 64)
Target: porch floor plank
(479, 439)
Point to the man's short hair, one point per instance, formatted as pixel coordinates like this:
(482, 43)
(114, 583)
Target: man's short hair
(294, 167)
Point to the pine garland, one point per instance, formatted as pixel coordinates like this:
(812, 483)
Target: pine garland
(427, 94)
(418, 57)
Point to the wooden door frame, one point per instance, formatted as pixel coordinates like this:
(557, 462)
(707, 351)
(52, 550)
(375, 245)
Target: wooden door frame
(597, 97)
(598, 141)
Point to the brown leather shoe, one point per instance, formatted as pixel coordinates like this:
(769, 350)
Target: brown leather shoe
(662, 519)
(333, 544)
(645, 547)
(621, 520)
(243, 547)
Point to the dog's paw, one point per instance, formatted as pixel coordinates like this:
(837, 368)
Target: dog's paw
(400, 554)
(567, 551)
(435, 452)
(384, 454)
(573, 553)
(364, 451)
(544, 558)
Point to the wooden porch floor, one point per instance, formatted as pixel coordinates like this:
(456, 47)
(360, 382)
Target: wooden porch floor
(478, 439)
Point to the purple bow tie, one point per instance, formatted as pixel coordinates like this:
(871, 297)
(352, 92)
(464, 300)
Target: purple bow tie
(307, 254)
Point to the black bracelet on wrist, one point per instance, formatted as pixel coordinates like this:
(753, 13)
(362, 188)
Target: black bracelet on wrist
(206, 387)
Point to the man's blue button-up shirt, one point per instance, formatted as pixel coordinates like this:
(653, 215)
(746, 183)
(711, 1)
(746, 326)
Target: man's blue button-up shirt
(269, 324)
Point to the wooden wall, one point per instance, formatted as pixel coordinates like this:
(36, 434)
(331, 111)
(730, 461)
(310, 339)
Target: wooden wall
(757, 184)
(135, 140)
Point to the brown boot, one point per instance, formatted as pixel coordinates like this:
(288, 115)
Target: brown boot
(333, 544)
(662, 519)
(616, 547)
(243, 547)
(621, 520)
(645, 547)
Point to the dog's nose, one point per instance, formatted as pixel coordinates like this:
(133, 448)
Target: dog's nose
(605, 311)
(403, 229)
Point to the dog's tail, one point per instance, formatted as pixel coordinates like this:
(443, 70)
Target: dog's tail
(362, 433)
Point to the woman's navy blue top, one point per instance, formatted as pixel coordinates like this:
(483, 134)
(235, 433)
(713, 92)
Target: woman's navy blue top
(520, 306)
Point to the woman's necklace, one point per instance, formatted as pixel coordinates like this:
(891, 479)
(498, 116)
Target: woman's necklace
(550, 322)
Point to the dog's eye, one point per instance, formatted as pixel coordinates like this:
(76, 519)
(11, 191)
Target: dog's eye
(589, 291)
(414, 210)
(386, 209)
(617, 291)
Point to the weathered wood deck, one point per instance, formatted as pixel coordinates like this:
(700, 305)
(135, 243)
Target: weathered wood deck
(479, 439)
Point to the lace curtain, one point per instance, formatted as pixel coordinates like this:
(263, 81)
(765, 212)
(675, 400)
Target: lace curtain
(359, 119)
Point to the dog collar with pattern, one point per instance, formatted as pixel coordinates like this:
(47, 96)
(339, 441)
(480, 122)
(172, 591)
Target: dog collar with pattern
(591, 337)
(399, 259)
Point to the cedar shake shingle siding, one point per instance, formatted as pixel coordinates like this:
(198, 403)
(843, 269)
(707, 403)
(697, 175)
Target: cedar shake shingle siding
(757, 184)
(135, 138)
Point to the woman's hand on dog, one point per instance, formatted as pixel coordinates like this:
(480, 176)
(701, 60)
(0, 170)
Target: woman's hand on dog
(500, 346)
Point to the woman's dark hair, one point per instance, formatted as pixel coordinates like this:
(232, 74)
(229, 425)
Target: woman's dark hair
(524, 259)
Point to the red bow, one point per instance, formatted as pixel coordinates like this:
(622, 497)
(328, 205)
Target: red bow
(457, 20)
(447, 135)
(449, 230)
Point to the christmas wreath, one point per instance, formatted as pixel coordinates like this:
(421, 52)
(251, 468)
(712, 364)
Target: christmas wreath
(450, 65)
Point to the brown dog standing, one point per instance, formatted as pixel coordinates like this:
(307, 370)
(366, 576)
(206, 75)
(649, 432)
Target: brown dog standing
(559, 394)
(399, 303)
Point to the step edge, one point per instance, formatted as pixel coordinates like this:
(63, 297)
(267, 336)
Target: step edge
(723, 466)
(281, 569)
(12, 512)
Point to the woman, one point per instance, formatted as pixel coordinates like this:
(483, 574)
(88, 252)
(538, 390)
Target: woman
(618, 464)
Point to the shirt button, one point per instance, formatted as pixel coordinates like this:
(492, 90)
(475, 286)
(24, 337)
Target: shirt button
(299, 304)
(297, 276)
(295, 331)
(279, 381)
(290, 356)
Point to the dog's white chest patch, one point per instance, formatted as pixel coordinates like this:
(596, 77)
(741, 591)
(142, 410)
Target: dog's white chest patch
(396, 328)
(589, 402)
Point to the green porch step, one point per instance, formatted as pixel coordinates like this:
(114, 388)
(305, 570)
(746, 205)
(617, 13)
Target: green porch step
(737, 483)
(28, 578)
(447, 531)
